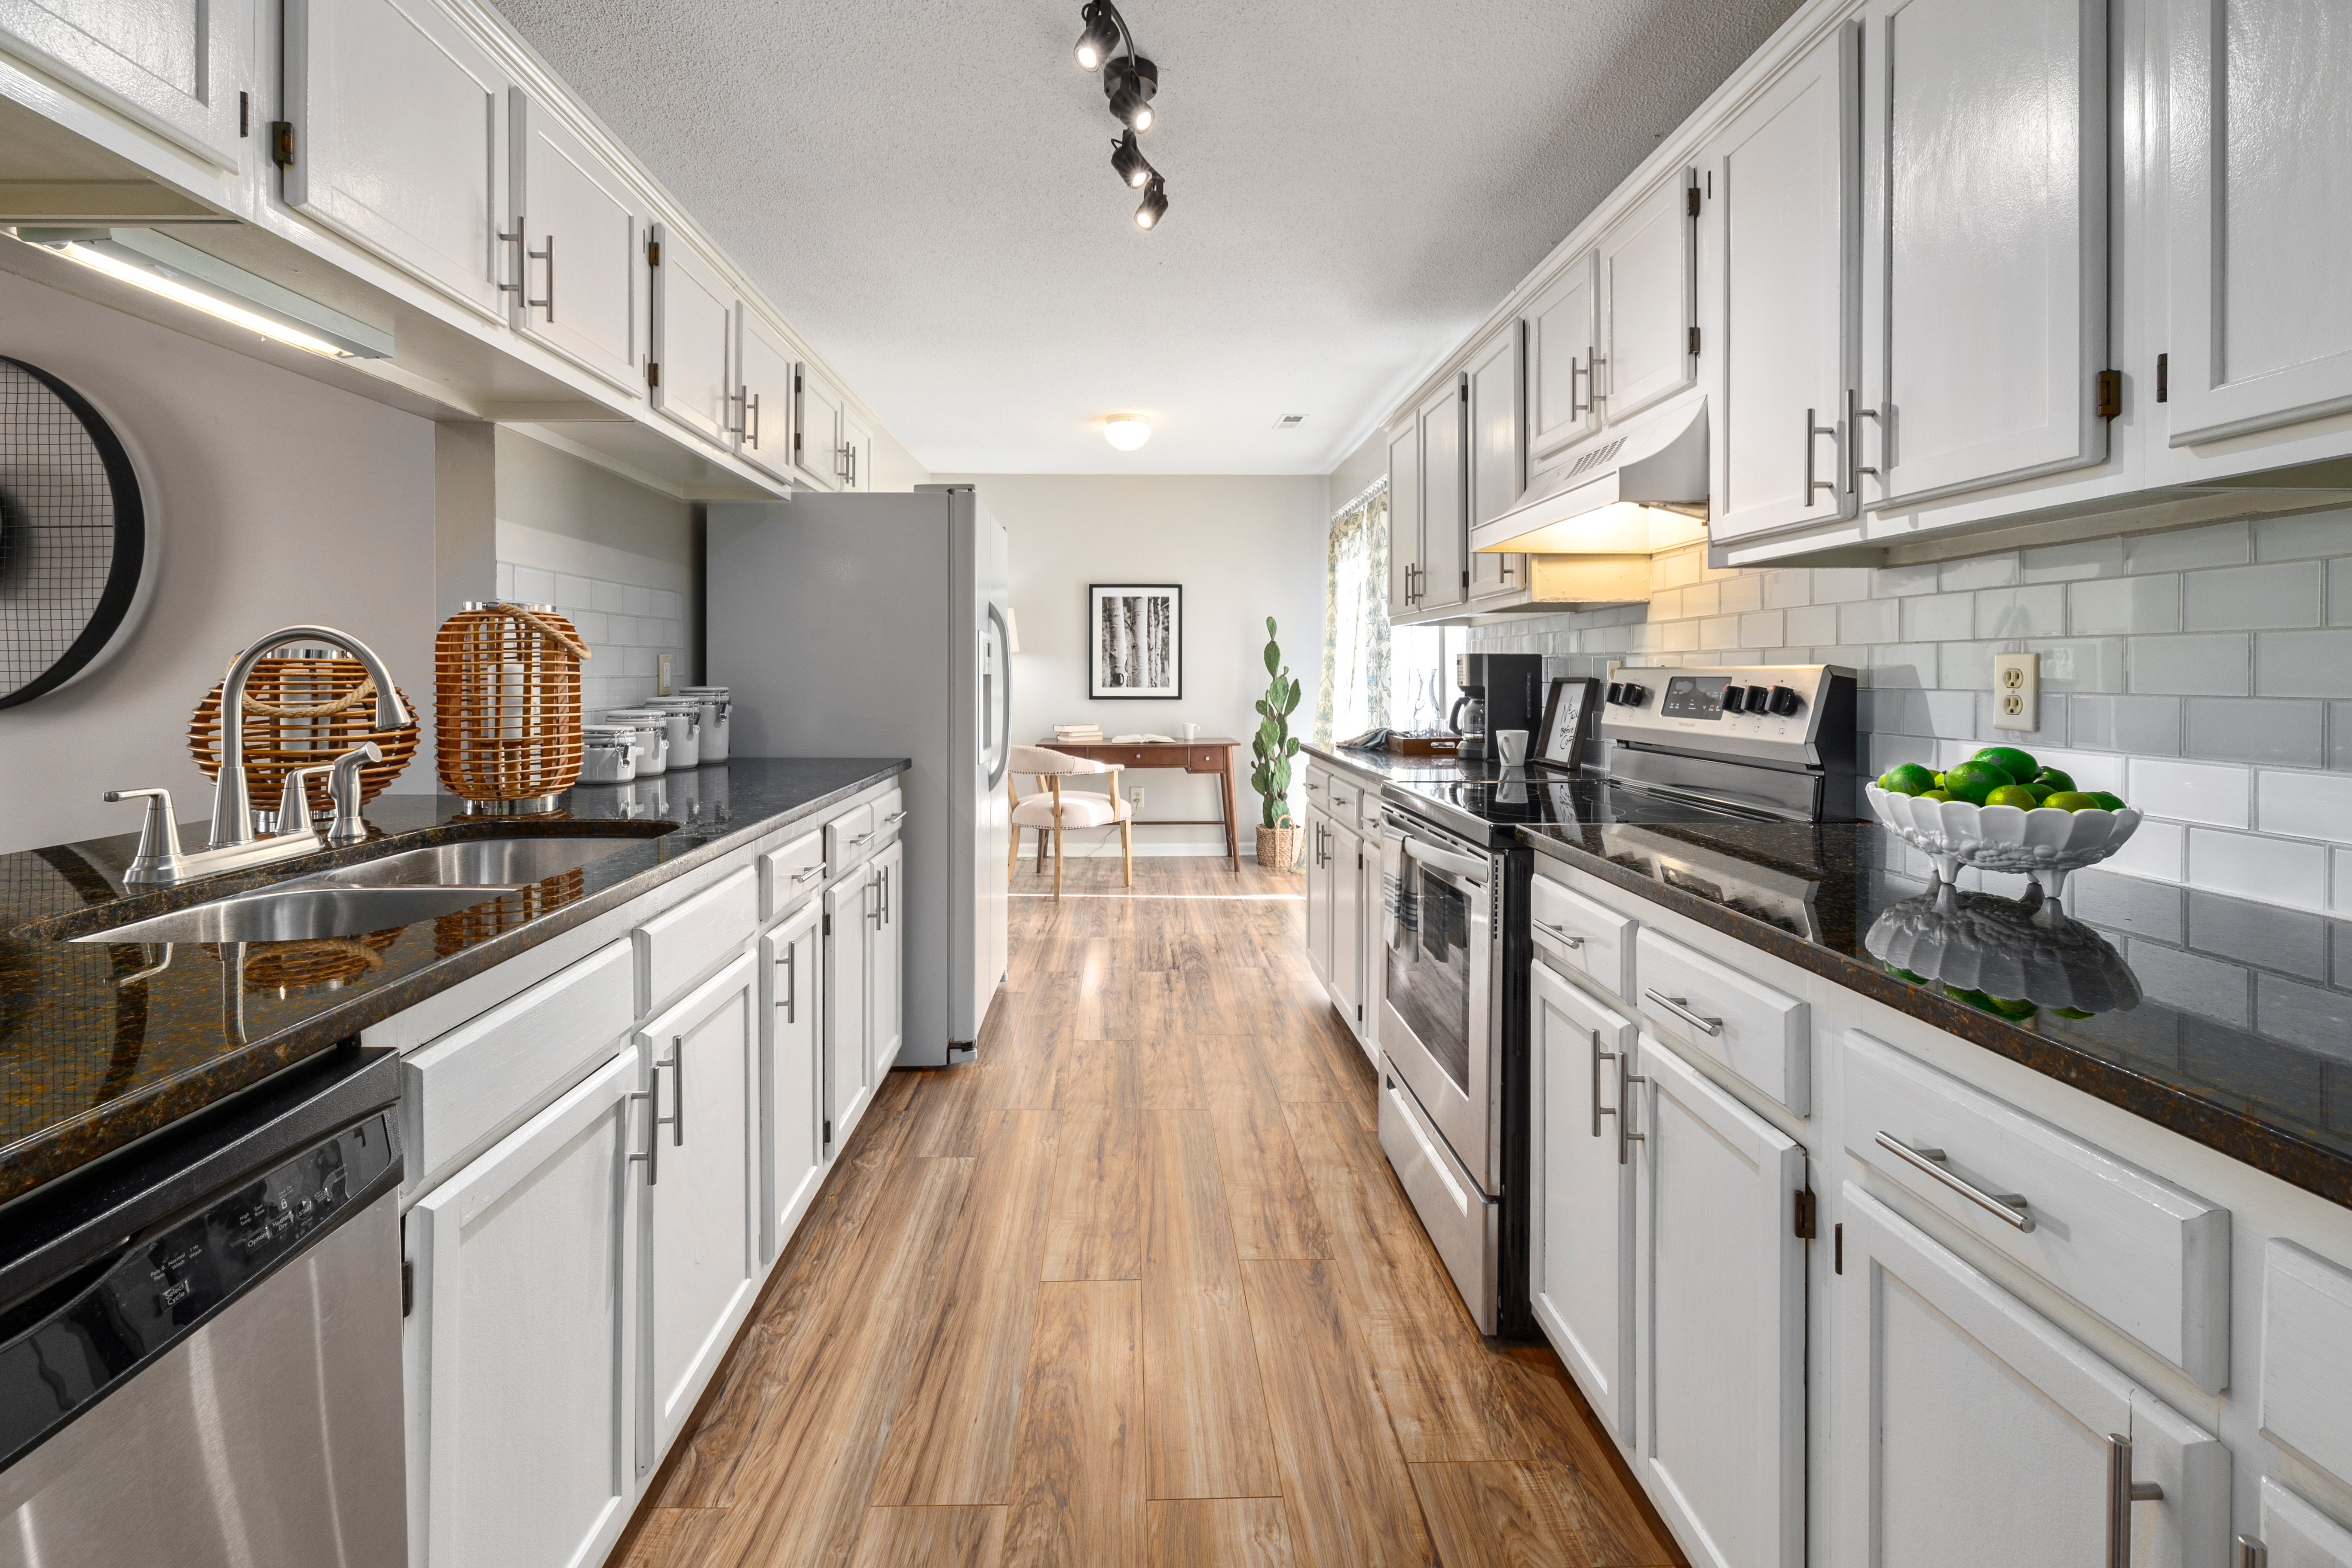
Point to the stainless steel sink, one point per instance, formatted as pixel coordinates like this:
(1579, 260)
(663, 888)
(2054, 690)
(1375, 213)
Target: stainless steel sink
(480, 863)
(298, 914)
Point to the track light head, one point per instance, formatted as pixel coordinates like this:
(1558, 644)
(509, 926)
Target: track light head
(1100, 38)
(1155, 204)
(1128, 158)
(1131, 82)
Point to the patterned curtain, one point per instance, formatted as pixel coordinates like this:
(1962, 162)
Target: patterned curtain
(1355, 691)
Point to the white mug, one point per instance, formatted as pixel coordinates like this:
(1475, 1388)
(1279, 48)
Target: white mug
(1191, 732)
(1512, 746)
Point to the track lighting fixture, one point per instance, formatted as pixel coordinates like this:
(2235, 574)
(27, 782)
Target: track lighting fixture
(1129, 82)
(1155, 204)
(1128, 160)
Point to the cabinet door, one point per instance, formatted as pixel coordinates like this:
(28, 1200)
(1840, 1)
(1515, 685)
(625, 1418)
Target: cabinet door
(792, 1076)
(1404, 518)
(522, 1342)
(701, 1230)
(1971, 1431)
(1444, 529)
(1497, 456)
(857, 452)
(2261, 214)
(578, 235)
(1560, 327)
(1646, 281)
(1723, 1448)
(400, 138)
(764, 366)
(1985, 241)
(1347, 871)
(816, 440)
(848, 1076)
(693, 340)
(1785, 212)
(175, 67)
(887, 1005)
(1319, 895)
(1580, 1173)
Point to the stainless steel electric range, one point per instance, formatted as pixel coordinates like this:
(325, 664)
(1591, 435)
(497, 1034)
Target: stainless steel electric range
(1685, 747)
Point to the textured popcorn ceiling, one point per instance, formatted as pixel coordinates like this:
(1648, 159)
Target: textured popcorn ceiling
(925, 191)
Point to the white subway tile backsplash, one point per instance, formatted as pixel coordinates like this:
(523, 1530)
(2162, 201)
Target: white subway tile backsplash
(2068, 562)
(2253, 598)
(573, 592)
(669, 603)
(1787, 589)
(610, 596)
(534, 586)
(2340, 900)
(1763, 629)
(2159, 849)
(2312, 534)
(2056, 728)
(2089, 770)
(2221, 544)
(1901, 664)
(2211, 793)
(1900, 582)
(1679, 569)
(2255, 730)
(588, 625)
(2114, 606)
(1979, 572)
(1665, 603)
(1965, 665)
(1947, 712)
(2147, 726)
(1841, 584)
(1939, 617)
(506, 580)
(1702, 599)
(1739, 594)
(2304, 664)
(1813, 626)
(1681, 636)
(640, 601)
(2305, 806)
(1719, 632)
(2209, 665)
(2275, 871)
(1870, 620)
(2339, 593)
(2079, 663)
(2339, 734)
(2007, 614)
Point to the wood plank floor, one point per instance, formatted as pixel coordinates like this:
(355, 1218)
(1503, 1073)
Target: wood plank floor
(1139, 1289)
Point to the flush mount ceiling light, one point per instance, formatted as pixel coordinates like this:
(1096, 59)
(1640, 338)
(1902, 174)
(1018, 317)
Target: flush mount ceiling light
(1129, 82)
(1126, 431)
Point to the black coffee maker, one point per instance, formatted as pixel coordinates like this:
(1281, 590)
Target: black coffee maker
(1499, 691)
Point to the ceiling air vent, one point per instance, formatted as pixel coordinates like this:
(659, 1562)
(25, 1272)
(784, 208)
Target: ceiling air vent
(1290, 422)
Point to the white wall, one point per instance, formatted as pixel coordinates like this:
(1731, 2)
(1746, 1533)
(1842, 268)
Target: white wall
(1244, 548)
(278, 500)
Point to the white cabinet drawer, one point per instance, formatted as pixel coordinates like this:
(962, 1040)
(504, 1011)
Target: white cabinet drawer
(679, 945)
(2306, 1381)
(791, 874)
(1319, 789)
(1760, 1032)
(1589, 938)
(889, 817)
(481, 1076)
(2296, 1535)
(847, 839)
(1347, 802)
(2149, 1258)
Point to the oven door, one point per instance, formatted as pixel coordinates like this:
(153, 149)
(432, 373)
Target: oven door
(1437, 901)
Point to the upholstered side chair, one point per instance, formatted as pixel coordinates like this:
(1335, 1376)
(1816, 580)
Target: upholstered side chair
(1055, 809)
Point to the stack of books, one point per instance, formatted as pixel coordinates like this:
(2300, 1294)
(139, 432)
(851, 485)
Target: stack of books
(1078, 734)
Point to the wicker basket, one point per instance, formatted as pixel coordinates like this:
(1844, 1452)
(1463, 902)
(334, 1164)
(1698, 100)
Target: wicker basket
(1278, 847)
(506, 706)
(469, 928)
(311, 964)
(301, 713)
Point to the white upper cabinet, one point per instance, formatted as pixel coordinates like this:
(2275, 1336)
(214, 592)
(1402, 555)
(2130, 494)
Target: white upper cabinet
(693, 340)
(1782, 206)
(574, 249)
(1497, 454)
(1985, 242)
(763, 409)
(1444, 533)
(1648, 287)
(400, 140)
(817, 439)
(2260, 214)
(1404, 517)
(175, 66)
(1559, 338)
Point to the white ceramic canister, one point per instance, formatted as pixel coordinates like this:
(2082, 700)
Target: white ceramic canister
(608, 753)
(649, 751)
(685, 727)
(715, 705)
(714, 739)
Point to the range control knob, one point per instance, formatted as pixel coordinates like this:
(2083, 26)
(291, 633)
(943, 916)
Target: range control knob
(1733, 697)
(1616, 693)
(1784, 701)
(1635, 695)
(1758, 699)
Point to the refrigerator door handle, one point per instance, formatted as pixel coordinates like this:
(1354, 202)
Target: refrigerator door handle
(1004, 687)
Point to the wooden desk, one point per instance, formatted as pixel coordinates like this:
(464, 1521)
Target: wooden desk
(1209, 754)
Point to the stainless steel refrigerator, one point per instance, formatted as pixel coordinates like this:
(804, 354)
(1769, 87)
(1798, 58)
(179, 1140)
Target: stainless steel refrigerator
(874, 625)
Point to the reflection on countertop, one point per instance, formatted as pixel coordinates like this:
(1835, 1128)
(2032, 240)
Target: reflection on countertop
(2228, 1021)
(103, 1042)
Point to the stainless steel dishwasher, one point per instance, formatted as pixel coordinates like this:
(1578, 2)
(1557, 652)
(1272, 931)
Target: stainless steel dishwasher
(200, 1349)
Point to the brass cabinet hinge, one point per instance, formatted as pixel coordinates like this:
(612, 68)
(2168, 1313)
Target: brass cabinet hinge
(2111, 393)
(1694, 200)
(1694, 347)
(282, 143)
(653, 253)
(245, 114)
(1805, 1217)
(653, 372)
(2164, 378)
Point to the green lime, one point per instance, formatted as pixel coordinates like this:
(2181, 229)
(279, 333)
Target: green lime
(2017, 795)
(1973, 998)
(2017, 765)
(2056, 778)
(2112, 802)
(2075, 1013)
(1907, 974)
(2041, 792)
(2019, 1009)
(1936, 794)
(1907, 778)
(1972, 781)
(2074, 800)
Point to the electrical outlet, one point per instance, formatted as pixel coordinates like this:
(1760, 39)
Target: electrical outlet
(662, 660)
(1135, 796)
(2017, 691)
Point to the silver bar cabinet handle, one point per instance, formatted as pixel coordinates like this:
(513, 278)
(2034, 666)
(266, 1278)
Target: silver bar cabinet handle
(1564, 938)
(1814, 433)
(547, 256)
(754, 436)
(2121, 1492)
(790, 999)
(651, 1152)
(1598, 1110)
(1854, 414)
(1627, 1079)
(2252, 1553)
(812, 871)
(2009, 1208)
(1680, 1008)
(1575, 370)
(676, 1119)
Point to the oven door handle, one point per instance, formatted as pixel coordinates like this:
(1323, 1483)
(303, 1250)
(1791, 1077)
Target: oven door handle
(1461, 866)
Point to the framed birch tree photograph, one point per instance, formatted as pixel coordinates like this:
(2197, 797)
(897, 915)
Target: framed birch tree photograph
(1138, 639)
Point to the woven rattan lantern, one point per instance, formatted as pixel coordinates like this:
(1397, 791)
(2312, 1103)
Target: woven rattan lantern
(303, 712)
(506, 706)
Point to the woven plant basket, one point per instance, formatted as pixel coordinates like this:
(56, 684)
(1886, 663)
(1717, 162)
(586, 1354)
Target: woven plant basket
(301, 713)
(469, 928)
(506, 704)
(1278, 847)
(309, 964)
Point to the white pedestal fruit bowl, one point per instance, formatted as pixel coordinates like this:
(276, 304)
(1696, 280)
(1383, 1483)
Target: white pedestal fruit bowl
(2044, 844)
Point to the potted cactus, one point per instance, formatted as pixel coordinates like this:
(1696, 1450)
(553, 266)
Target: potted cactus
(1271, 750)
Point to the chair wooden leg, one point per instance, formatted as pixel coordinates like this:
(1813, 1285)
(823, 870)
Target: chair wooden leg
(1057, 865)
(1041, 852)
(1013, 861)
(1127, 848)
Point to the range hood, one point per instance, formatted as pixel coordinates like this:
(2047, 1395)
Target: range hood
(1640, 488)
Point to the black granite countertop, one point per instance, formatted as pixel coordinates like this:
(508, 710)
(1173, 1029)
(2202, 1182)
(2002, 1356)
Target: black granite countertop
(2228, 1021)
(1394, 767)
(102, 1044)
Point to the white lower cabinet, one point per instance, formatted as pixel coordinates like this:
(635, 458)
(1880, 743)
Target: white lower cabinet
(792, 1075)
(699, 1223)
(885, 1003)
(1580, 1172)
(1971, 1431)
(1346, 850)
(848, 994)
(1318, 894)
(521, 1340)
(1720, 1279)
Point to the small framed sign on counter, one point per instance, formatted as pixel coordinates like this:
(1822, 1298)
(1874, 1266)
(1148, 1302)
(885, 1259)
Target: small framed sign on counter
(1136, 639)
